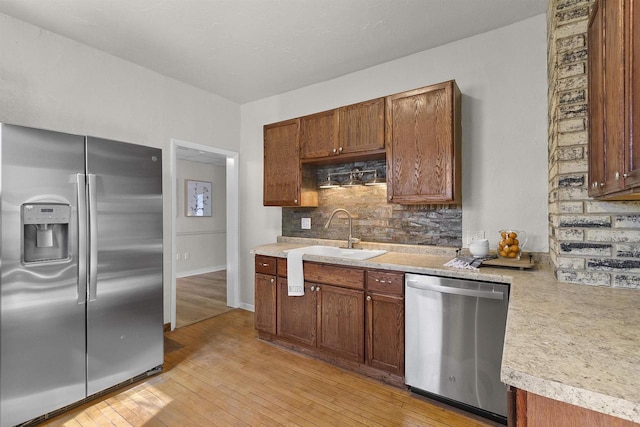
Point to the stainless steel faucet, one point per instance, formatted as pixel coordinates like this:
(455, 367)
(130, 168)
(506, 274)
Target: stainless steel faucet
(351, 240)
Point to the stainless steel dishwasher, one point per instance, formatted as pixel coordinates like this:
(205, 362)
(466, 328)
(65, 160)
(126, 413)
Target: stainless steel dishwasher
(454, 335)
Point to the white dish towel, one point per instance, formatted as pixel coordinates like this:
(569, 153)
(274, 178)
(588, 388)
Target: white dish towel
(295, 275)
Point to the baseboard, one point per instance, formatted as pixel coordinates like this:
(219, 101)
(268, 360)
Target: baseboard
(200, 271)
(248, 307)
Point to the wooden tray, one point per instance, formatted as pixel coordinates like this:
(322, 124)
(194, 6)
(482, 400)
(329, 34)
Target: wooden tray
(523, 263)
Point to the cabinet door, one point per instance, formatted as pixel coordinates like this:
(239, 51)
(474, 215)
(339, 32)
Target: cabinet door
(423, 145)
(632, 150)
(596, 100)
(281, 164)
(265, 303)
(319, 135)
(297, 316)
(362, 127)
(341, 321)
(614, 91)
(385, 332)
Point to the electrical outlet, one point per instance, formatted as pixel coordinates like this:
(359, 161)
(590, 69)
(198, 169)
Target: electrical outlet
(306, 224)
(474, 235)
(186, 255)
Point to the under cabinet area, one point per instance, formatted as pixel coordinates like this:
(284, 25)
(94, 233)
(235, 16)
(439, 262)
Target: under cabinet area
(348, 316)
(614, 100)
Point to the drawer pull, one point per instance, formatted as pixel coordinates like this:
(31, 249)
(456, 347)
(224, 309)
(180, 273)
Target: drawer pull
(382, 281)
(264, 264)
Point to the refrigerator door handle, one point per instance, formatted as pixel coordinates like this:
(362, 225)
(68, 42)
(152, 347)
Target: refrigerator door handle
(82, 238)
(93, 238)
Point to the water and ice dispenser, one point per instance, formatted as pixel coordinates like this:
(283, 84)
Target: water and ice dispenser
(45, 235)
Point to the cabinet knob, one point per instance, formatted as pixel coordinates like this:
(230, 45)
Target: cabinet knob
(334, 151)
(601, 184)
(317, 288)
(368, 297)
(313, 288)
(617, 176)
(624, 175)
(390, 197)
(340, 150)
(273, 280)
(295, 201)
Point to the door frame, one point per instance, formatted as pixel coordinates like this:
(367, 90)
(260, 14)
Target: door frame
(232, 178)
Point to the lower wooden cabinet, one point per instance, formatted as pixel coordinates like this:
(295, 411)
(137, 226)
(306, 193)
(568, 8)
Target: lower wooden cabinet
(385, 320)
(532, 410)
(265, 294)
(341, 321)
(352, 317)
(297, 316)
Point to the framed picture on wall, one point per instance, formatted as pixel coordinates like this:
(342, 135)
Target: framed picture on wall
(197, 198)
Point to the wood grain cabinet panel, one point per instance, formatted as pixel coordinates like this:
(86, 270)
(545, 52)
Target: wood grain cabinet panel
(341, 321)
(286, 182)
(265, 303)
(361, 127)
(538, 411)
(385, 332)
(319, 135)
(423, 142)
(614, 100)
(297, 316)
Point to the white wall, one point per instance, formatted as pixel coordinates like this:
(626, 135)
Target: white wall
(502, 76)
(201, 241)
(51, 82)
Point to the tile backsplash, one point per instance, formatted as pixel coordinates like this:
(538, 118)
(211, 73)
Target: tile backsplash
(374, 220)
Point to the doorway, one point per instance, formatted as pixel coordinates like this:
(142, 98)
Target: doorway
(206, 157)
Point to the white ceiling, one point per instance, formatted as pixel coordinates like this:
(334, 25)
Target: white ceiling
(246, 50)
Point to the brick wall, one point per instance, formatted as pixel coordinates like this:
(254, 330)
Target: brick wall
(590, 242)
(375, 220)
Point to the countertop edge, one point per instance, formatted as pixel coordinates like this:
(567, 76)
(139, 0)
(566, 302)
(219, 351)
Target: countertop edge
(592, 400)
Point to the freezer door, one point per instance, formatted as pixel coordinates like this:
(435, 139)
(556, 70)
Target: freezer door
(42, 309)
(124, 313)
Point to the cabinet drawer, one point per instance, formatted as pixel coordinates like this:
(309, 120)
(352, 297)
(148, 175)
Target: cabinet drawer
(334, 275)
(282, 267)
(265, 264)
(388, 282)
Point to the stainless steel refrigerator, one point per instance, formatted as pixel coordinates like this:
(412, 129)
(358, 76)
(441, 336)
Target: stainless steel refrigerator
(81, 268)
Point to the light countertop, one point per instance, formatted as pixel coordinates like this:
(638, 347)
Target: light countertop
(578, 344)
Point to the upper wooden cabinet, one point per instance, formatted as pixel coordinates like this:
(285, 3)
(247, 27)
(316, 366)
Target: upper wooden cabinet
(362, 127)
(423, 141)
(614, 100)
(319, 135)
(286, 182)
(353, 129)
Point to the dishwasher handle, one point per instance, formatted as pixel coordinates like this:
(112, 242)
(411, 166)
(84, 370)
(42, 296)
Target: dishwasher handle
(492, 294)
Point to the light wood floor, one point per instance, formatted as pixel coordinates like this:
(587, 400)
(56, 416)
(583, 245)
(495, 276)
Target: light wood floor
(200, 297)
(217, 373)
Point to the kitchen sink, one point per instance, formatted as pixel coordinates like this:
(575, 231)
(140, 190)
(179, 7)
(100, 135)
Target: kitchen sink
(335, 252)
